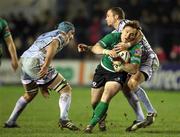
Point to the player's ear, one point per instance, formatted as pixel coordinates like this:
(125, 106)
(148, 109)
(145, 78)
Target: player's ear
(116, 17)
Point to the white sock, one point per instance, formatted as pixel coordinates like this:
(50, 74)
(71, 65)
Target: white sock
(133, 101)
(64, 105)
(19, 107)
(145, 100)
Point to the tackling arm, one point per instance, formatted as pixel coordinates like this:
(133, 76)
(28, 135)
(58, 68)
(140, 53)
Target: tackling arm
(124, 46)
(138, 38)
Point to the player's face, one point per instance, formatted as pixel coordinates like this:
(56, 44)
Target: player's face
(71, 35)
(110, 18)
(128, 34)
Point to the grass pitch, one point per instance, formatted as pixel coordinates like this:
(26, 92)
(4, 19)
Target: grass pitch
(41, 116)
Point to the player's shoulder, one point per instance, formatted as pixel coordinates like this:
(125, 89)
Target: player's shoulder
(3, 22)
(123, 22)
(112, 36)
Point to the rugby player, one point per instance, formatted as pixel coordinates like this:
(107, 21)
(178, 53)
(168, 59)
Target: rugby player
(115, 17)
(106, 81)
(38, 74)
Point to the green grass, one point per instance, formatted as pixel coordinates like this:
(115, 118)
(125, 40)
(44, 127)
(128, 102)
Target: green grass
(41, 116)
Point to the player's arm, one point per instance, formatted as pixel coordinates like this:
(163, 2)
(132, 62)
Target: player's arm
(12, 50)
(100, 47)
(124, 46)
(97, 49)
(50, 53)
(135, 60)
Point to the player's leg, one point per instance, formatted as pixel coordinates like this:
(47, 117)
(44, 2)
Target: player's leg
(60, 85)
(110, 90)
(31, 91)
(136, 80)
(96, 94)
(135, 104)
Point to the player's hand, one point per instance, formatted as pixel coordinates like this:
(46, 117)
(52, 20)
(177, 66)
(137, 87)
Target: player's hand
(43, 71)
(82, 47)
(45, 93)
(121, 46)
(118, 66)
(111, 53)
(14, 64)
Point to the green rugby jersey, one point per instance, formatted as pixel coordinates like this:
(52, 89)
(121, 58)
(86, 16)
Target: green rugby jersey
(109, 42)
(4, 32)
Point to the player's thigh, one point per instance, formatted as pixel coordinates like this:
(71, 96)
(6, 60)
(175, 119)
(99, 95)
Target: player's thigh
(96, 94)
(60, 85)
(110, 90)
(135, 80)
(139, 77)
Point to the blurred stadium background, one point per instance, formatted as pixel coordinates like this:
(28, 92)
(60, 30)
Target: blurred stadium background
(160, 20)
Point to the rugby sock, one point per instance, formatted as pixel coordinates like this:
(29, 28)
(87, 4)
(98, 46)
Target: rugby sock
(135, 104)
(94, 107)
(99, 111)
(64, 105)
(19, 107)
(145, 100)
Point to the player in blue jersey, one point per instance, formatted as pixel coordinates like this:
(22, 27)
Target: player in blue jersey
(38, 74)
(115, 17)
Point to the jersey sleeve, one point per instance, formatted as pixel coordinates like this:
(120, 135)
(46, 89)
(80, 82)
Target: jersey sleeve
(5, 29)
(136, 54)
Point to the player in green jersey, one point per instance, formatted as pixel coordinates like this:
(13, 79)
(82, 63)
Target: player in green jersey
(106, 81)
(5, 35)
(115, 17)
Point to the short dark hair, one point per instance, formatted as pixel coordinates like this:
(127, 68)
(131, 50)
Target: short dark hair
(118, 11)
(134, 24)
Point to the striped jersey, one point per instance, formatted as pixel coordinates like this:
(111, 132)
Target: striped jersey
(146, 47)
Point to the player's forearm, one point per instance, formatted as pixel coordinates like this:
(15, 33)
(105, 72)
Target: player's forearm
(138, 38)
(51, 51)
(11, 48)
(97, 49)
(12, 51)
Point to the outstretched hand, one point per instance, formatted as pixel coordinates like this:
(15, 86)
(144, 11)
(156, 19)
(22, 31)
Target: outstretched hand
(82, 47)
(45, 92)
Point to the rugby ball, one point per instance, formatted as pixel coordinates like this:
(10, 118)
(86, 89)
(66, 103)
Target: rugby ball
(123, 56)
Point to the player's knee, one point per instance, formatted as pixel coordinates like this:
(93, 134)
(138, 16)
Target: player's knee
(94, 103)
(132, 84)
(66, 89)
(29, 96)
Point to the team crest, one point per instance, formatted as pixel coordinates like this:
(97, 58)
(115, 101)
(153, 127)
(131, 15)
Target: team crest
(137, 52)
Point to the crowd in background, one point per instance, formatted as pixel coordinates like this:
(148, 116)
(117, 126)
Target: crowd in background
(160, 20)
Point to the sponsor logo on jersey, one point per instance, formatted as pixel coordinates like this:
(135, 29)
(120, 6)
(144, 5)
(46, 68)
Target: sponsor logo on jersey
(137, 52)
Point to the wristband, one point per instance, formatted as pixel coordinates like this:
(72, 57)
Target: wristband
(129, 44)
(105, 51)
